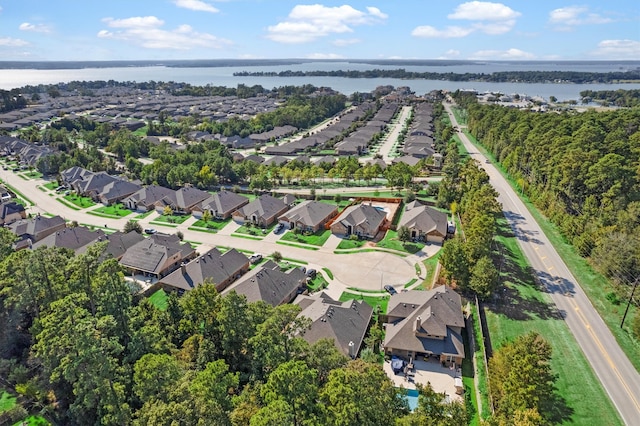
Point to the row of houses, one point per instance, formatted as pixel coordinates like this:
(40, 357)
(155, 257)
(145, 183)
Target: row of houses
(27, 153)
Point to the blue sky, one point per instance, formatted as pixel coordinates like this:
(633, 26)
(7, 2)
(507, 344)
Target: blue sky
(372, 29)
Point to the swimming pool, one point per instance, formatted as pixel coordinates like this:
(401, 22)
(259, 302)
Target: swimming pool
(412, 397)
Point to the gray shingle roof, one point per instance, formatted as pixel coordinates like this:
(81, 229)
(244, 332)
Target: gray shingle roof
(361, 213)
(224, 202)
(269, 284)
(265, 206)
(310, 213)
(424, 218)
(216, 266)
(436, 312)
(76, 239)
(342, 322)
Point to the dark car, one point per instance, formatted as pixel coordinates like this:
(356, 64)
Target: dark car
(311, 273)
(390, 289)
(279, 227)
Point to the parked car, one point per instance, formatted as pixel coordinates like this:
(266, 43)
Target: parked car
(279, 227)
(255, 258)
(390, 289)
(61, 188)
(311, 273)
(150, 231)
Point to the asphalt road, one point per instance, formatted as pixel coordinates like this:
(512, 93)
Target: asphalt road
(618, 376)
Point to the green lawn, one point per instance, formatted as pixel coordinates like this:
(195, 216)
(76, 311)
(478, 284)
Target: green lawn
(33, 421)
(159, 299)
(317, 239)
(318, 283)
(431, 264)
(373, 301)
(174, 219)
(7, 402)
(214, 225)
(145, 214)
(350, 244)
(51, 186)
(391, 241)
(253, 232)
(34, 174)
(114, 210)
(328, 272)
(523, 307)
(81, 202)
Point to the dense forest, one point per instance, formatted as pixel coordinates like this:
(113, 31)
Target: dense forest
(582, 170)
(495, 77)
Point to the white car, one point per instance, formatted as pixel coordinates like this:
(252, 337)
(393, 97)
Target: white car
(255, 258)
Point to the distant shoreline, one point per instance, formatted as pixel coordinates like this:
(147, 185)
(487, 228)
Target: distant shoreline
(216, 63)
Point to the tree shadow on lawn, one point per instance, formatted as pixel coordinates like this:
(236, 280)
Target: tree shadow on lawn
(556, 408)
(517, 298)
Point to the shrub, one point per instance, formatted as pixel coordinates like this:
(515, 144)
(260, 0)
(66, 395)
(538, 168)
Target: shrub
(354, 237)
(613, 298)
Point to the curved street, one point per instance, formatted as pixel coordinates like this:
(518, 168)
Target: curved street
(363, 270)
(618, 376)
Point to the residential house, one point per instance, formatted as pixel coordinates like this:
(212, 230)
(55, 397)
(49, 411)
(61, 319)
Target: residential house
(119, 243)
(32, 230)
(182, 201)
(144, 199)
(221, 205)
(425, 223)
(117, 190)
(220, 268)
(262, 211)
(270, 284)
(10, 211)
(78, 239)
(156, 256)
(309, 215)
(363, 220)
(346, 323)
(425, 323)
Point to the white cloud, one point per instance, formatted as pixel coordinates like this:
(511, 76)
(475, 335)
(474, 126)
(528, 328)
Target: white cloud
(618, 49)
(428, 31)
(12, 42)
(37, 28)
(146, 31)
(565, 18)
(489, 18)
(307, 23)
(197, 5)
(341, 42)
(134, 22)
(483, 11)
(376, 12)
(514, 54)
(324, 56)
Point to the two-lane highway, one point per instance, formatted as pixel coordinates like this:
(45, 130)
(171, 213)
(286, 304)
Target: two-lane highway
(618, 376)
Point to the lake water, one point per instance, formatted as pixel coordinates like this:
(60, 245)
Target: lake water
(223, 76)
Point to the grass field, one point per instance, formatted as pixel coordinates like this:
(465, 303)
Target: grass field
(317, 239)
(431, 265)
(78, 201)
(33, 421)
(523, 307)
(159, 299)
(114, 211)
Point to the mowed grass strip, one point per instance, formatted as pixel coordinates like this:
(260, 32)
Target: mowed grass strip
(114, 211)
(316, 239)
(522, 307)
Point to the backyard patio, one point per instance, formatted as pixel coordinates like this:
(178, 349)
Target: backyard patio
(442, 379)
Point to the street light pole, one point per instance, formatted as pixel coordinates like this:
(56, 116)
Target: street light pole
(635, 284)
